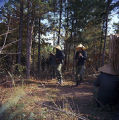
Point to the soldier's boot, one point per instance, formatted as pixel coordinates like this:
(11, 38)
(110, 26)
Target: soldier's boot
(77, 83)
(81, 78)
(60, 81)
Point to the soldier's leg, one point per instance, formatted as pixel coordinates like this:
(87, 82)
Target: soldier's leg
(77, 76)
(81, 72)
(53, 71)
(59, 73)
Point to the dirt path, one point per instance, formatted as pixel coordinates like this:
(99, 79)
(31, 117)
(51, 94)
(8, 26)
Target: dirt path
(46, 100)
(80, 99)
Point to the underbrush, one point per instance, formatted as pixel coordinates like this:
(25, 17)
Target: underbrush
(28, 101)
(21, 105)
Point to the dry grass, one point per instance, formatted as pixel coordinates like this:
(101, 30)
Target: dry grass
(40, 100)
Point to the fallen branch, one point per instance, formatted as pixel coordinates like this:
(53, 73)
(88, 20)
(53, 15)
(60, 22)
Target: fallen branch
(6, 82)
(67, 113)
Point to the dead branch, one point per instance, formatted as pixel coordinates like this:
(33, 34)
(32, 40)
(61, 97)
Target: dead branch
(60, 110)
(10, 31)
(9, 44)
(6, 35)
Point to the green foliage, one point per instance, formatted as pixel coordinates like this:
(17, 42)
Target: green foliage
(116, 27)
(46, 49)
(82, 22)
(20, 68)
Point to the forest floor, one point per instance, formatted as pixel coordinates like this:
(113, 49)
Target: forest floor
(46, 100)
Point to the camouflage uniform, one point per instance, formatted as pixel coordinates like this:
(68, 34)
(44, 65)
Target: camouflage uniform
(80, 73)
(80, 66)
(52, 62)
(59, 61)
(59, 73)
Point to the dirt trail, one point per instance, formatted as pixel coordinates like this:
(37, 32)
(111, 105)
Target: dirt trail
(77, 100)
(80, 99)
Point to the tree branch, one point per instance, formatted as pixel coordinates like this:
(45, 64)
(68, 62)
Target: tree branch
(114, 5)
(6, 35)
(9, 44)
(63, 111)
(10, 31)
(10, 53)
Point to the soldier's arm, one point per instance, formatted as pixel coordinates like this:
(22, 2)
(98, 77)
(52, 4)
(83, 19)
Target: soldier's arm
(84, 56)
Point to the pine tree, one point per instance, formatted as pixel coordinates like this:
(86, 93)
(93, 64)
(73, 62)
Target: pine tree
(20, 32)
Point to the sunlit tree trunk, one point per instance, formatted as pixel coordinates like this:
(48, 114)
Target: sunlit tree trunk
(29, 41)
(39, 39)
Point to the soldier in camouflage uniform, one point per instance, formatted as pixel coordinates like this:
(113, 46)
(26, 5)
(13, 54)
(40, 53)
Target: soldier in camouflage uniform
(80, 58)
(59, 61)
(52, 62)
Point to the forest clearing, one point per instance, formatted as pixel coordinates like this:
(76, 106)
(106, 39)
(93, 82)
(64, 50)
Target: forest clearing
(46, 100)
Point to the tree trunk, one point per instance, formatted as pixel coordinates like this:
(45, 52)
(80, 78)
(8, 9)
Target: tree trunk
(33, 41)
(54, 32)
(69, 47)
(66, 35)
(34, 54)
(105, 32)
(75, 34)
(68, 56)
(101, 42)
(29, 42)
(60, 22)
(74, 29)
(39, 59)
(20, 32)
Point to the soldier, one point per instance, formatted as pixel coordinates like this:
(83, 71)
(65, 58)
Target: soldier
(43, 63)
(52, 63)
(108, 79)
(59, 61)
(80, 58)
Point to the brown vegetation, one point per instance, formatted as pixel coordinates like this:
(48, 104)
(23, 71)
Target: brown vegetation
(45, 100)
